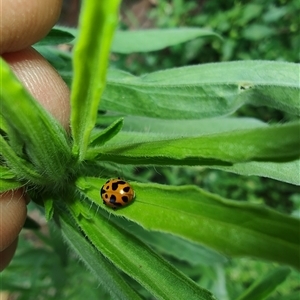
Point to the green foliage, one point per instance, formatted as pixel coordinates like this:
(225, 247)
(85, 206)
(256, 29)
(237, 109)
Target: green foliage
(8, 180)
(222, 88)
(93, 44)
(247, 230)
(38, 149)
(251, 30)
(58, 35)
(171, 241)
(43, 268)
(134, 258)
(262, 287)
(151, 40)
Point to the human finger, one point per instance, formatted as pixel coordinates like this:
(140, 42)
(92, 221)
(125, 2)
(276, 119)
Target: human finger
(24, 22)
(42, 81)
(7, 254)
(12, 216)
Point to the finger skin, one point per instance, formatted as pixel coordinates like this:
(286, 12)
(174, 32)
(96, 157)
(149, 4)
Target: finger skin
(12, 216)
(42, 81)
(7, 254)
(24, 22)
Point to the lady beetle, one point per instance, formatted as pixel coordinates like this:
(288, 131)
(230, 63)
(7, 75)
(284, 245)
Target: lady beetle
(117, 193)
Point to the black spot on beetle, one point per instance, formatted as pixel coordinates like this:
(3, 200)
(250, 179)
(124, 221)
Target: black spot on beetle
(126, 189)
(125, 198)
(115, 185)
(112, 199)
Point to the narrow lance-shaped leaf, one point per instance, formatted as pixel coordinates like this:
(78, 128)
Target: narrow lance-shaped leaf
(182, 128)
(105, 272)
(273, 143)
(135, 258)
(156, 39)
(97, 24)
(230, 227)
(203, 91)
(100, 137)
(285, 172)
(192, 253)
(145, 40)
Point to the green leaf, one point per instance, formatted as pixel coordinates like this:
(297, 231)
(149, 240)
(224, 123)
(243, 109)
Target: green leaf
(264, 286)
(57, 35)
(106, 274)
(99, 138)
(155, 39)
(182, 249)
(137, 260)
(6, 185)
(203, 91)
(49, 208)
(286, 172)
(272, 143)
(230, 227)
(291, 296)
(181, 128)
(8, 180)
(44, 140)
(256, 32)
(6, 173)
(97, 24)
(20, 167)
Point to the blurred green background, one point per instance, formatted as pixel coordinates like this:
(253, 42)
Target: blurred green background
(258, 30)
